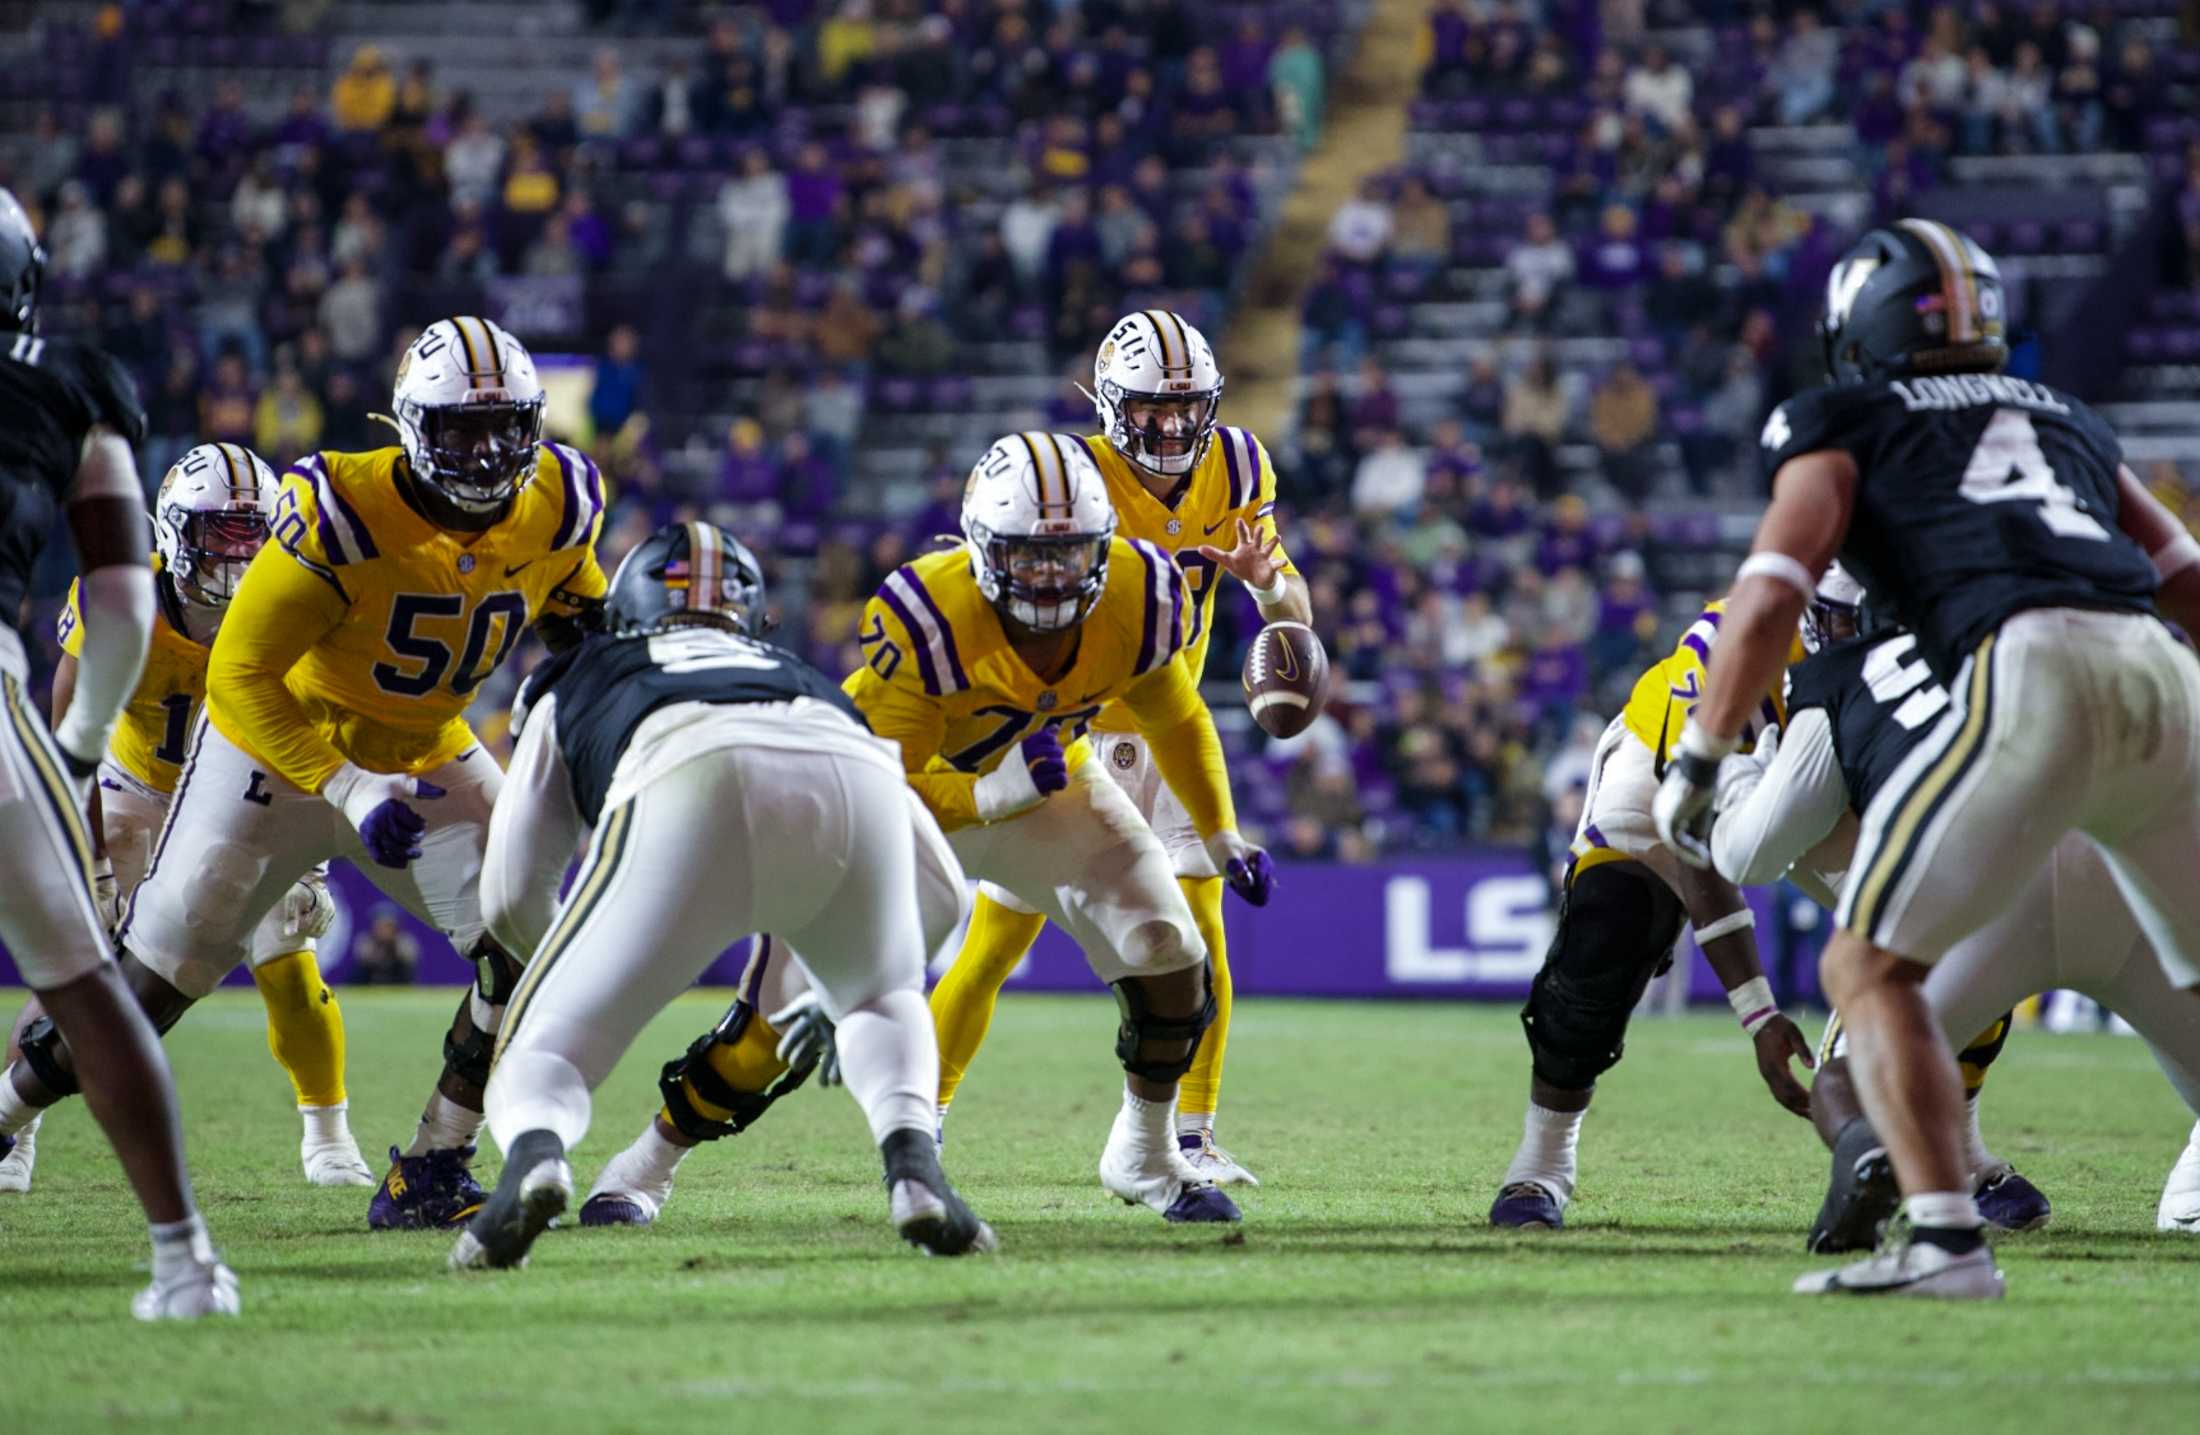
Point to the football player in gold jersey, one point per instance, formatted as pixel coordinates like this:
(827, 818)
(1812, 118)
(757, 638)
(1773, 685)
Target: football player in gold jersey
(209, 518)
(1626, 899)
(1206, 495)
(987, 664)
(396, 583)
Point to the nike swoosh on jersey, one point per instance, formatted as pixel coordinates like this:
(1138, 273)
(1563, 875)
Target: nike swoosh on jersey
(1210, 529)
(511, 571)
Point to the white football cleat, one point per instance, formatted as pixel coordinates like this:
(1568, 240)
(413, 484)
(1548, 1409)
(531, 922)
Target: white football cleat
(205, 1288)
(1160, 1178)
(15, 1167)
(2179, 1211)
(1912, 1269)
(327, 1150)
(1211, 1161)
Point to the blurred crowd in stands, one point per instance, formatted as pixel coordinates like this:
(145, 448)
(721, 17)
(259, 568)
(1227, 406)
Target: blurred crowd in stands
(1487, 598)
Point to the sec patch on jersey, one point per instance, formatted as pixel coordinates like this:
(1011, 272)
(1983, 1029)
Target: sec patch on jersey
(1286, 678)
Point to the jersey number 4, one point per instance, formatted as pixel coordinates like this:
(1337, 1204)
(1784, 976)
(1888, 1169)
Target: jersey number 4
(2008, 467)
(433, 655)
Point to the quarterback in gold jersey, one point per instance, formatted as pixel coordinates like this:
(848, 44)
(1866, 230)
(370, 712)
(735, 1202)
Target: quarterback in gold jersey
(395, 584)
(1626, 899)
(986, 664)
(209, 519)
(1206, 495)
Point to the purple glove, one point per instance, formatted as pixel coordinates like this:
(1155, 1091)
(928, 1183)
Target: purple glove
(392, 831)
(1252, 878)
(1042, 755)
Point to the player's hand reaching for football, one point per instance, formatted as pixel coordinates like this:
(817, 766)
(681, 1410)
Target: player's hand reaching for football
(1779, 1041)
(376, 803)
(1250, 561)
(1245, 867)
(1025, 778)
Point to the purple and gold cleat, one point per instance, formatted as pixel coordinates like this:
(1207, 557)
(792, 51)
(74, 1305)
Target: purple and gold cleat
(1202, 1201)
(431, 1192)
(612, 1209)
(1527, 1206)
(2009, 1201)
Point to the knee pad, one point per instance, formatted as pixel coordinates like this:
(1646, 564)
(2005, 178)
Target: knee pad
(693, 1071)
(1140, 1025)
(42, 1047)
(1975, 1058)
(1616, 929)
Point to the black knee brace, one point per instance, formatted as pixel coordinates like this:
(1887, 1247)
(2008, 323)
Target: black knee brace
(42, 1048)
(1980, 1054)
(1616, 929)
(693, 1068)
(496, 972)
(1140, 1026)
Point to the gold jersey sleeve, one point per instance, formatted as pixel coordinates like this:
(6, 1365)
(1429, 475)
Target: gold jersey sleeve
(363, 630)
(1663, 697)
(1234, 479)
(941, 680)
(152, 736)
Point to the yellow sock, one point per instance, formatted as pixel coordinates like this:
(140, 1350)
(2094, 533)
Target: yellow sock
(749, 1063)
(305, 1027)
(1201, 1090)
(962, 1004)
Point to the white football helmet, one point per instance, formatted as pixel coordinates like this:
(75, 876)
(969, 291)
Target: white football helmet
(469, 413)
(209, 518)
(1840, 599)
(1158, 390)
(1037, 518)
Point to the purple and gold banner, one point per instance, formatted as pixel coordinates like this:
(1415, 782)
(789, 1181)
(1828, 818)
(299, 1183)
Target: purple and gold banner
(1468, 927)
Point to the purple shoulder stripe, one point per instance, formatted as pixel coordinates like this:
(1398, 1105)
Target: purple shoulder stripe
(351, 516)
(1230, 462)
(569, 516)
(925, 668)
(1147, 635)
(947, 629)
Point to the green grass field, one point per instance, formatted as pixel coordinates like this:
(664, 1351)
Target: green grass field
(1363, 1291)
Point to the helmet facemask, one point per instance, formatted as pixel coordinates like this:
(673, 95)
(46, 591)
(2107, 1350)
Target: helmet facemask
(476, 455)
(1046, 582)
(211, 550)
(1163, 433)
(1836, 611)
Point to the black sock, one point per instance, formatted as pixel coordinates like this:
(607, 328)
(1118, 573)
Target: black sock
(910, 1156)
(1955, 1240)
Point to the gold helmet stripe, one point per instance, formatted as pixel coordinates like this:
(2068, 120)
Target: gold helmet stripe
(1958, 285)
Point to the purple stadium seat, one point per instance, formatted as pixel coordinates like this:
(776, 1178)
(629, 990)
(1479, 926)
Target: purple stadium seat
(2078, 236)
(2026, 236)
(2143, 345)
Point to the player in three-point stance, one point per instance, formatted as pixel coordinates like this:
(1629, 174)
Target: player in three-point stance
(1626, 899)
(70, 418)
(1857, 707)
(209, 518)
(726, 786)
(985, 664)
(396, 583)
(1995, 519)
(1207, 496)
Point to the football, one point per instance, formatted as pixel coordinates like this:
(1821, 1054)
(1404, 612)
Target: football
(1286, 678)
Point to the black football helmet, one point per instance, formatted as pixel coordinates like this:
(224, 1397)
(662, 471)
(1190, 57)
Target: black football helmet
(22, 267)
(1914, 298)
(682, 569)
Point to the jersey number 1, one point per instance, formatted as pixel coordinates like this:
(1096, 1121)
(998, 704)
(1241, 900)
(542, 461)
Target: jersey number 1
(2008, 467)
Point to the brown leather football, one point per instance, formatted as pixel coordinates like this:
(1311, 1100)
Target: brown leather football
(1286, 678)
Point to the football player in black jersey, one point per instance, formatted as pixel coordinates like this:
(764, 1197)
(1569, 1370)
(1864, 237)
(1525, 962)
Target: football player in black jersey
(1995, 519)
(68, 418)
(1856, 709)
(729, 787)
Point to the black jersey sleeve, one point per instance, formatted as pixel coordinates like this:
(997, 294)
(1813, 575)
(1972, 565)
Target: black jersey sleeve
(1847, 417)
(110, 395)
(1820, 679)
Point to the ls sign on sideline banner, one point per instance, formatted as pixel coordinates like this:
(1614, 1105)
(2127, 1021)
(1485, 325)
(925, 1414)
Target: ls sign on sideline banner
(1466, 927)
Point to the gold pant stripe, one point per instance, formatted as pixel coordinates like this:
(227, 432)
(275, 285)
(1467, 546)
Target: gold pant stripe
(1917, 809)
(588, 889)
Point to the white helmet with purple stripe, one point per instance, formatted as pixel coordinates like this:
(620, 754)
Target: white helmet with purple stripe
(1158, 390)
(209, 518)
(1038, 521)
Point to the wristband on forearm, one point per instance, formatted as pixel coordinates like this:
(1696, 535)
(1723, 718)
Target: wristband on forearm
(1752, 1002)
(1273, 594)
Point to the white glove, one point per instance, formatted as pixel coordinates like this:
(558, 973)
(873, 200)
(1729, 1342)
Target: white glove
(308, 908)
(106, 893)
(1683, 804)
(1740, 774)
(1035, 768)
(806, 1038)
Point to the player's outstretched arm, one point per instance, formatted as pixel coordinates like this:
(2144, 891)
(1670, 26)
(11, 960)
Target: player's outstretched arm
(1778, 802)
(281, 609)
(1257, 561)
(1181, 732)
(2175, 552)
(115, 593)
(1726, 930)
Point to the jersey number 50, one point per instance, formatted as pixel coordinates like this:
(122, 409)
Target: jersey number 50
(433, 655)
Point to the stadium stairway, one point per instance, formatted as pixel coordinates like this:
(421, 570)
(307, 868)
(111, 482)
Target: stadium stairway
(1364, 135)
